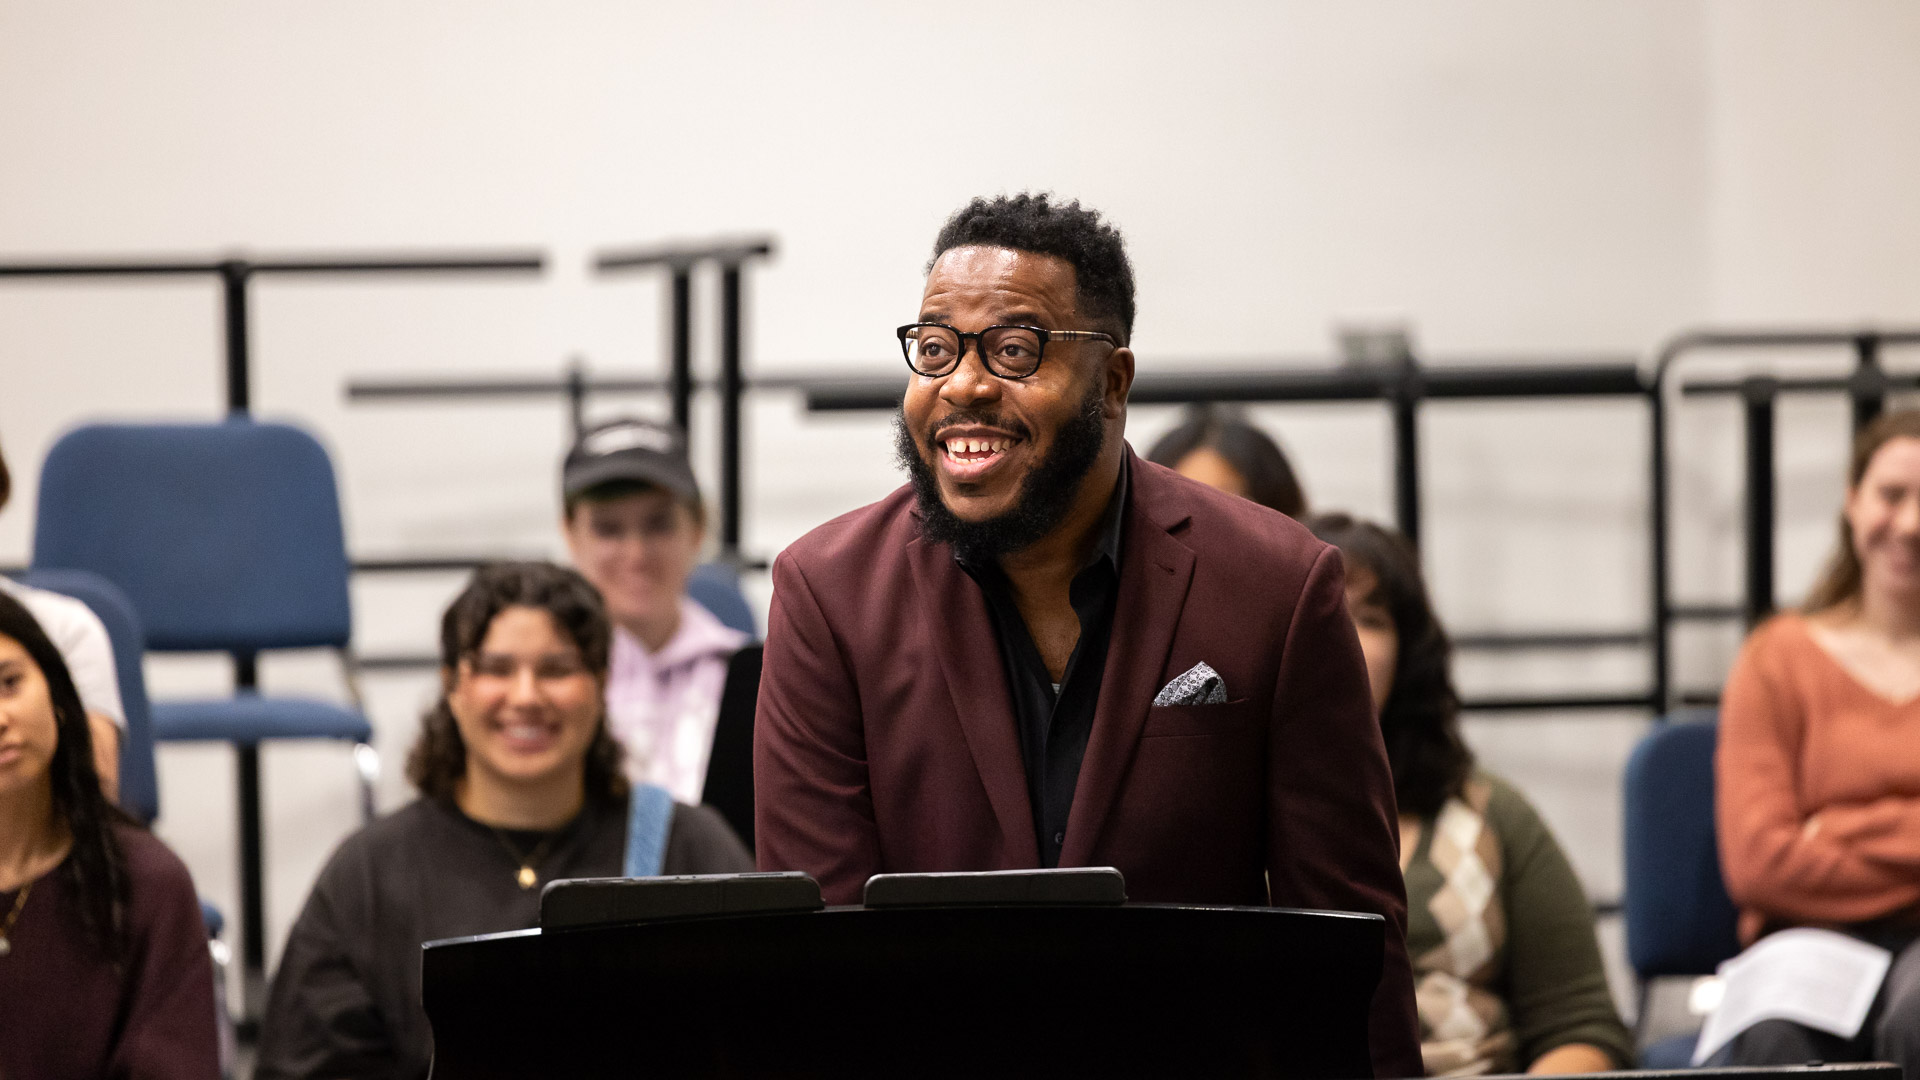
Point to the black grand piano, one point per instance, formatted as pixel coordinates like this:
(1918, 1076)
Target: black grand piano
(1023, 974)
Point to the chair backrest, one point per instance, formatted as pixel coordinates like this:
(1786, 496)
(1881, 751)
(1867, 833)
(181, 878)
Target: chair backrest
(139, 783)
(716, 587)
(224, 536)
(1679, 918)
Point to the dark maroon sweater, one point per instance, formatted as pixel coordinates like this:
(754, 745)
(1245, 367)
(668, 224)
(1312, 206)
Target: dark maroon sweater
(67, 1011)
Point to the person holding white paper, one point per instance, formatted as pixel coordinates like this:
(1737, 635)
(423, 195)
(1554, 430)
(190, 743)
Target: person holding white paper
(1819, 759)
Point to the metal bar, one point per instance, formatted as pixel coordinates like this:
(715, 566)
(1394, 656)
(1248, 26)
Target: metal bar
(107, 268)
(1758, 410)
(407, 389)
(1661, 661)
(1830, 384)
(488, 262)
(233, 297)
(253, 903)
(1707, 612)
(346, 264)
(1406, 452)
(730, 389)
(1551, 703)
(1869, 381)
(854, 393)
(577, 397)
(1551, 639)
(680, 317)
(726, 251)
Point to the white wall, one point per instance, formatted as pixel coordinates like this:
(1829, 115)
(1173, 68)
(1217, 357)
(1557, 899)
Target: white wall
(1507, 176)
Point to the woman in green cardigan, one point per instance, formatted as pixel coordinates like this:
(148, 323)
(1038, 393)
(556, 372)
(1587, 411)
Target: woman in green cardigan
(1506, 967)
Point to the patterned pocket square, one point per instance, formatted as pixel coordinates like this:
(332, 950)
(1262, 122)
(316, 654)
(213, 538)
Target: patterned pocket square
(1198, 685)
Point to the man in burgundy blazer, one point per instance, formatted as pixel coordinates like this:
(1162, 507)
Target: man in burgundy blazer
(896, 729)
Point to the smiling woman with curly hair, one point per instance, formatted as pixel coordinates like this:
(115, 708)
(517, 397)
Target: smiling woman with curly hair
(520, 784)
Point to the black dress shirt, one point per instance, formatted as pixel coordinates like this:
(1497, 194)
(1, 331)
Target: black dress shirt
(1054, 722)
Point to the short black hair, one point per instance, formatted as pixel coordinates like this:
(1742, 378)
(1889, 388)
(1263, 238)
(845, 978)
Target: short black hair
(1027, 222)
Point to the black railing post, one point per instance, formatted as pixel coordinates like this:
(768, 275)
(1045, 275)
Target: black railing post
(1867, 387)
(730, 389)
(577, 396)
(1660, 689)
(253, 900)
(233, 293)
(1757, 394)
(1405, 401)
(680, 316)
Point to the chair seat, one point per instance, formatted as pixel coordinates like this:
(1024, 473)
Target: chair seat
(1673, 1052)
(250, 718)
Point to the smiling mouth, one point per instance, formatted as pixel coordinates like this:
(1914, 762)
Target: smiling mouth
(525, 736)
(974, 451)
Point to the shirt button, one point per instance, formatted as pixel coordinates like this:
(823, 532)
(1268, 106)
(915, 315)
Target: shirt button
(1059, 838)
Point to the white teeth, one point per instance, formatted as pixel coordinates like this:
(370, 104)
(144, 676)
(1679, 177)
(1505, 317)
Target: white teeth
(977, 446)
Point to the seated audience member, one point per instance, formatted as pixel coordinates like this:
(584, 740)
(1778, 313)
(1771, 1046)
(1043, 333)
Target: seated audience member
(1819, 758)
(520, 784)
(1510, 977)
(1222, 450)
(104, 968)
(634, 523)
(77, 632)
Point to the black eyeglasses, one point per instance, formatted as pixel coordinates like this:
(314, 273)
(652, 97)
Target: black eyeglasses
(1011, 352)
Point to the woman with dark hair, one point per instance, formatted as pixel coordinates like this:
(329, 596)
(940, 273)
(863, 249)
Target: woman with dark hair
(1818, 760)
(1500, 932)
(1221, 450)
(520, 785)
(104, 969)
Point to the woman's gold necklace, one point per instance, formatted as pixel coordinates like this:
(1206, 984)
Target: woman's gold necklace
(527, 877)
(6, 928)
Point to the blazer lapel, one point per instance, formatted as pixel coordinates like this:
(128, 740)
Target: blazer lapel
(963, 636)
(1155, 571)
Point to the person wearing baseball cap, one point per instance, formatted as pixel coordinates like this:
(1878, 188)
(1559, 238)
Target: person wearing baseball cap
(635, 523)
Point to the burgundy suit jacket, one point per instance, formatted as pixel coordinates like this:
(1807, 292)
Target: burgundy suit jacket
(886, 741)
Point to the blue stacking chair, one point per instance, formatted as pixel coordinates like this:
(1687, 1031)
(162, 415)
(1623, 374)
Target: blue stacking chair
(139, 784)
(716, 587)
(1679, 919)
(227, 538)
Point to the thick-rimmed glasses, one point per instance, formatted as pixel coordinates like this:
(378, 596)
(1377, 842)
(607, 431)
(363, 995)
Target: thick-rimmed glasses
(1011, 352)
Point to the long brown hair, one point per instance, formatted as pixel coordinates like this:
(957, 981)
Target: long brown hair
(1840, 582)
(96, 867)
(439, 756)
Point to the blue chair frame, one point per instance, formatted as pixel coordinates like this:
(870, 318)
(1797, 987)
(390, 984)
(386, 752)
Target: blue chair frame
(1679, 919)
(226, 537)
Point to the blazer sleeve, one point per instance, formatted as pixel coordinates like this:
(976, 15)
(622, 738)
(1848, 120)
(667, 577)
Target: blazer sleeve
(813, 808)
(1774, 864)
(1333, 837)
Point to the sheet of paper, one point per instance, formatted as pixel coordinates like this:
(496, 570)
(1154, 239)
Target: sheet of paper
(1818, 978)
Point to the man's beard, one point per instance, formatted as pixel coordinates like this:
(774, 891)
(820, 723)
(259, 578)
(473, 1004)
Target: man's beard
(1045, 496)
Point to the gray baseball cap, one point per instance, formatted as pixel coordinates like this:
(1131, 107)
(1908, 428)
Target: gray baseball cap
(637, 451)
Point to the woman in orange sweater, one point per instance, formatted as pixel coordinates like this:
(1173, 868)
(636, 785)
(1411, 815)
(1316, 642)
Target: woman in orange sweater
(1819, 758)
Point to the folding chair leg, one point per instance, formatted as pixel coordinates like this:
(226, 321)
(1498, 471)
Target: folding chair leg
(253, 903)
(366, 761)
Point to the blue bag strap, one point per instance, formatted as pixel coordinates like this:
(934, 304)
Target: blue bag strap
(649, 815)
